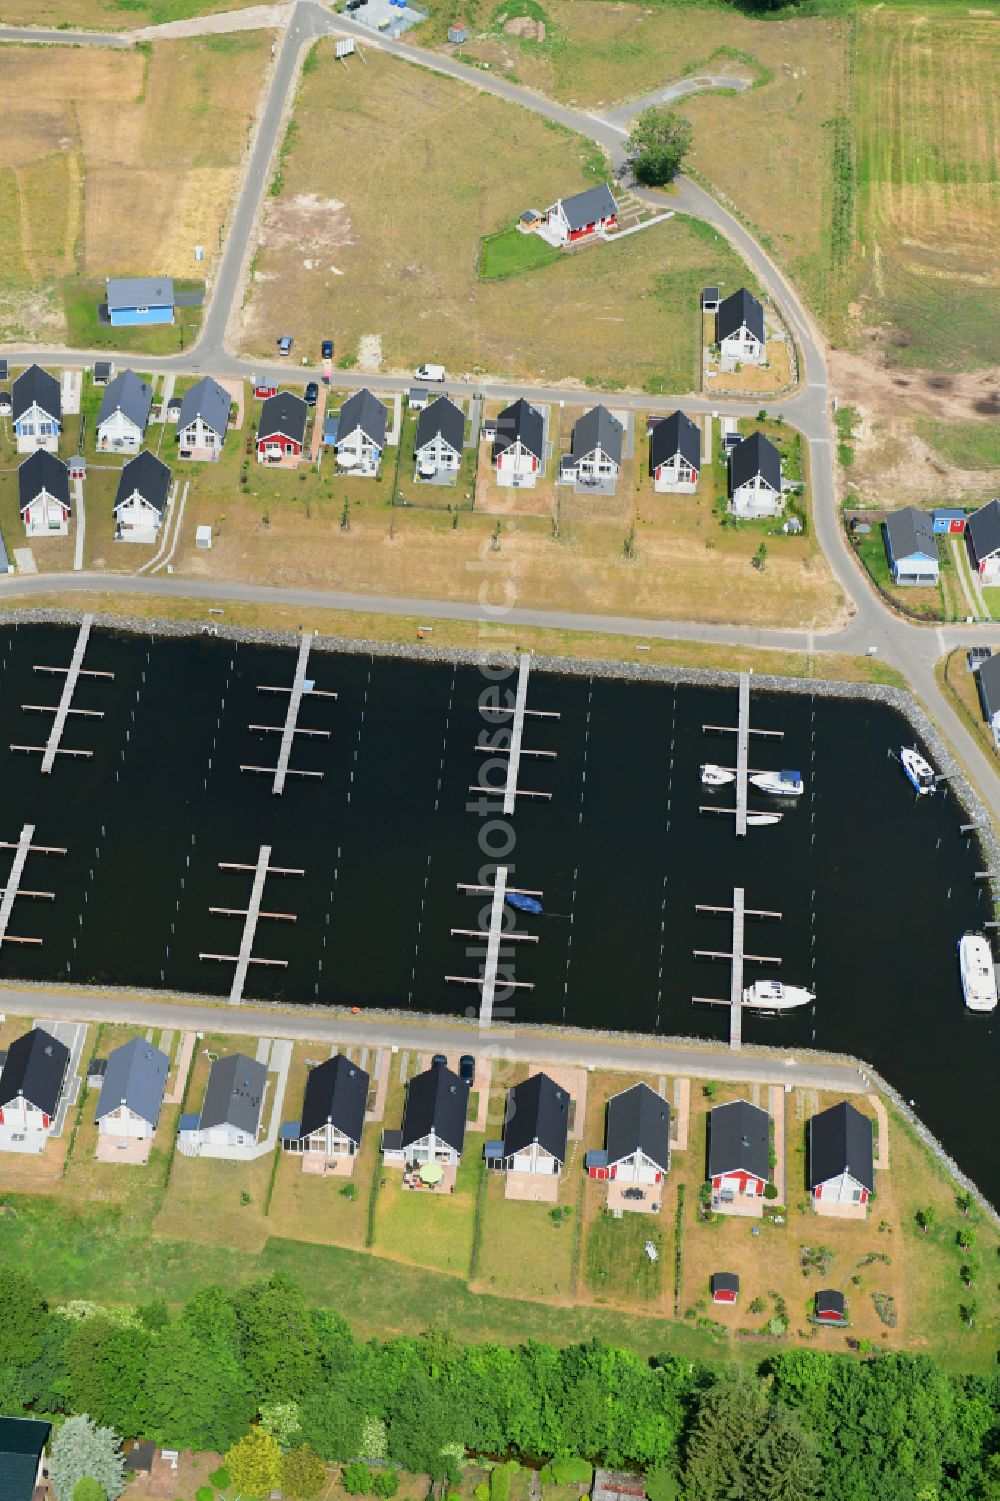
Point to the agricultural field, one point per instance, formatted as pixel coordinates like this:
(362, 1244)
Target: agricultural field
(928, 187)
(106, 15)
(117, 163)
(386, 263)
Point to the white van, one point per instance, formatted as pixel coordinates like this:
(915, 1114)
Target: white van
(429, 372)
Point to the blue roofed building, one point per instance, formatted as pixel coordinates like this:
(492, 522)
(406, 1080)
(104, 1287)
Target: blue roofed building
(132, 1092)
(911, 547)
(135, 301)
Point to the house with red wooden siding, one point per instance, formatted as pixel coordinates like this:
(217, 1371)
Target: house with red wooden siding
(519, 445)
(592, 212)
(739, 1152)
(637, 1137)
(830, 1307)
(841, 1157)
(281, 432)
(725, 1287)
(30, 1087)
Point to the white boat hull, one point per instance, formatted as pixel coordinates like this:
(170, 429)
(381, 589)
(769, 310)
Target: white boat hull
(717, 776)
(772, 995)
(777, 784)
(979, 981)
(919, 771)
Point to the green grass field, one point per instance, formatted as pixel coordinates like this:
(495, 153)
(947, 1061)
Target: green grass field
(968, 445)
(618, 1266)
(509, 252)
(85, 330)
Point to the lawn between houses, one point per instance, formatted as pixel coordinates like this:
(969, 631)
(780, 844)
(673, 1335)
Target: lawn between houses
(386, 264)
(384, 1257)
(87, 138)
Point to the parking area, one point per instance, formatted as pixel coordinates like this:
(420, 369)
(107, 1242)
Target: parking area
(387, 19)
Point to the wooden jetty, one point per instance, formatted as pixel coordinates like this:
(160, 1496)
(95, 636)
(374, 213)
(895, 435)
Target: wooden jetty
(736, 956)
(13, 889)
(510, 791)
(742, 730)
(299, 689)
(251, 915)
(64, 708)
(493, 935)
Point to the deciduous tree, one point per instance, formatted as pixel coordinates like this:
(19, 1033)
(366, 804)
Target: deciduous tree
(659, 142)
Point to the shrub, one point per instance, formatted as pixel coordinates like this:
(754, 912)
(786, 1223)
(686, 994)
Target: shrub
(387, 1484)
(203, 1493)
(221, 1478)
(770, 1192)
(303, 1473)
(482, 1491)
(357, 1479)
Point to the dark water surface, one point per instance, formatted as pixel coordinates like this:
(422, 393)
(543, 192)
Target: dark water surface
(875, 888)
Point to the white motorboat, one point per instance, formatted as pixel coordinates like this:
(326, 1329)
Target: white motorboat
(979, 980)
(717, 776)
(778, 783)
(919, 770)
(772, 995)
(758, 819)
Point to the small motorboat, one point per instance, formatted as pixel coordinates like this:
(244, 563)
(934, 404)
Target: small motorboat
(717, 776)
(757, 820)
(979, 980)
(522, 903)
(772, 995)
(778, 783)
(918, 769)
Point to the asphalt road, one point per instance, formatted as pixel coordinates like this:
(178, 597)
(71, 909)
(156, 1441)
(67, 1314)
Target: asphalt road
(911, 648)
(436, 1035)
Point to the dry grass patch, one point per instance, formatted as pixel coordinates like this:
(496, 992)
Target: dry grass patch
(335, 257)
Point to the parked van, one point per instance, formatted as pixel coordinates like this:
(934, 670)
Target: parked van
(429, 372)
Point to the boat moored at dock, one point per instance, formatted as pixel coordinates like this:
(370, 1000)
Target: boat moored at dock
(919, 770)
(979, 980)
(772, 995)
(717, 776)
(778, 783)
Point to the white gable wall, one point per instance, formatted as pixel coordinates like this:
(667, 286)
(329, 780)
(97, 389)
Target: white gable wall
(119, 433)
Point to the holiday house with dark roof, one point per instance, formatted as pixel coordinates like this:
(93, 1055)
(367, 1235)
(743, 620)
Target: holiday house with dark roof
(841, 1158)
(203, 420)
(595, 455)
(434, 1116)
(988, 683)
(31, 1086)
(43, 494)
(982, 533)
(675, 454)
(637, 1138)
(739, 1153)
(440, 439)
(132, 1092)
(36, 407)
(141, 498)
(361, 434)
(231, 1111)
(519, 445)
(281, 432)
(755, 478)
(739, 330)
(333, 1116)
(581, 217)
(535, 1129)
(124, 413)
(22, 1449)
(911, 547)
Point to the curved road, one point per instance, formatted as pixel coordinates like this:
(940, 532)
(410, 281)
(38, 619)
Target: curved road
(911, 648)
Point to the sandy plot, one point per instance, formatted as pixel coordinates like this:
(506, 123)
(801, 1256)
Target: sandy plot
(34, 74)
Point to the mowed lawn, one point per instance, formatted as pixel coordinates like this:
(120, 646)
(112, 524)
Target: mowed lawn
(388, 256)
(117, 163)
(927, 144)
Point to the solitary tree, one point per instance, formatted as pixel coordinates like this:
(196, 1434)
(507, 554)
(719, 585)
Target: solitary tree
(969, 1311)
(659, 142)
(925, 1218)
(963, 1201)
(968, 1274)
(80, 1449)
(966, 1238)
(760, 557)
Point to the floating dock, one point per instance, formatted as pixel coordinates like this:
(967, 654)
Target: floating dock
(64, 708)
(301, 687)
(736, 956)
(510, 791)
(493, 935)
(251, 915)
(22, 849)
(742, 730)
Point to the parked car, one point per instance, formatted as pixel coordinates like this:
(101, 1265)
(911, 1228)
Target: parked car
(429, 372)
(312, 393)
(441, 1058)
(327, 349)
(285, 344)
(467, 1067)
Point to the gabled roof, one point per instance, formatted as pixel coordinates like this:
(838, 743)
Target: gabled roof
(364, 410)
(910, 532)
(436, 1100)
(725, 1282)
(840, 1141)
(336, 1092)
(35, 1068)
(755, 455)
(589, 206)
(130, 396)
(742, 308)
(235, 1094)
(283, 414)
(520, 422)
(36, 385)
(739, 1137)
(140, 291)
(598, 428)
(40, 471)
(677, 434)
(829, 1300)
(537, 1110)
(21, 1443)
(441, 417)
(209, 401)
(983, 527)
(147, 474)
(988, 678)
(136, 1077)
(639, 1120)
